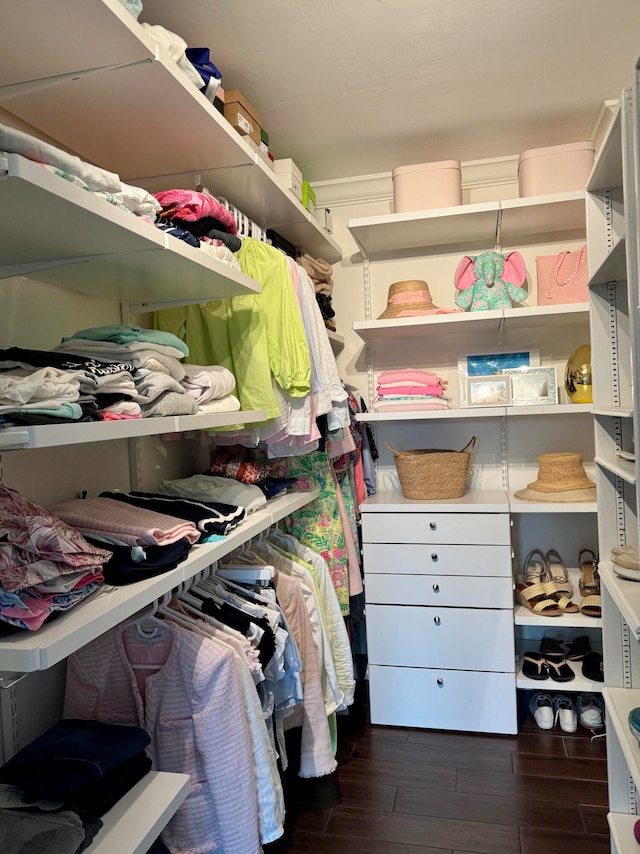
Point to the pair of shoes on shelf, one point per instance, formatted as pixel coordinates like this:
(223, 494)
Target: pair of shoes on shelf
(625, 562)
(550, 661)
(590, 708)
(591, 604)
(592, 665)
(547, 573)
(548, 710)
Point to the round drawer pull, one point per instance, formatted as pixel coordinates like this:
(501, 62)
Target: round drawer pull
(433, 526)
(440, 680)
(436, 588)
(434, 557)
(436, 620)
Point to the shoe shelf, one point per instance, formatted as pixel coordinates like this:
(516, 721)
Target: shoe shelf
(97, 249)
(109, 89)
(619, 702)
(607, 169)
(614, 413)
(521, 318)
(577, 685)
(54, 435)
(614, 266)
(133, 824)
(626, 595)
(524, 617)
(25, 651)
(621, 827)
(626, 469)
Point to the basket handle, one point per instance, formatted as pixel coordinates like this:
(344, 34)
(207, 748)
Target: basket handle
(395, 453)
(470, 445)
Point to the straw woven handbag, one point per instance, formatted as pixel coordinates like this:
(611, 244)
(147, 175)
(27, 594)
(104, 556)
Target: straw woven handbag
(431, 473)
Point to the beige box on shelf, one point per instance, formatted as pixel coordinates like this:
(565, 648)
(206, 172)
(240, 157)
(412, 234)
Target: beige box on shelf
(555, 169)
(242, 115)
(289, 174)
(427, 185)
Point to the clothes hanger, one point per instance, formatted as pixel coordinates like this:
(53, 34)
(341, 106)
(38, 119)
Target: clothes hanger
(148, 627)
(249, 574)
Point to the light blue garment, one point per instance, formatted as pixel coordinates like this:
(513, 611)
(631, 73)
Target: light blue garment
(65, 410)
(116, 333)
(133, 6)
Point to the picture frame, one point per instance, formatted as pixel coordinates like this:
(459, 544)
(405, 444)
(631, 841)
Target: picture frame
(489, 390)
(533, 386)
(491, 362)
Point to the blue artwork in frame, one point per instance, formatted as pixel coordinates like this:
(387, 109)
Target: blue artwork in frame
(484, 364)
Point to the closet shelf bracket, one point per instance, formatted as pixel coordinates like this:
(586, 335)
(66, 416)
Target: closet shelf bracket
(8, 678)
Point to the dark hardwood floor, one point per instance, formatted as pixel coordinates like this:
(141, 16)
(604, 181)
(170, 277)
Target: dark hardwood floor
(406, 791)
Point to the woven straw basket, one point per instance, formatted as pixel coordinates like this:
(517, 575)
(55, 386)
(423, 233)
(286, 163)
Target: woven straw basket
(431, 473)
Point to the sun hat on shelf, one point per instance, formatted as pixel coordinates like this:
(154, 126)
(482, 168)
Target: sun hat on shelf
(561, 479)
(410, 298)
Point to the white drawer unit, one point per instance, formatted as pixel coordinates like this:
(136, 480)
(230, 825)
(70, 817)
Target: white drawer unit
(439, 609)
(438, 559)
(443, 699)
(444, 591)
(453, 528)
(453, 638)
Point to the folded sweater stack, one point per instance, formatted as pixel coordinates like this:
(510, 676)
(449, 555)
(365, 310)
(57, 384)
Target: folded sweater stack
(410, 390)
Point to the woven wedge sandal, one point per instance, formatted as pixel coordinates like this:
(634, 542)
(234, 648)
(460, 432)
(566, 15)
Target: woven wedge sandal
(555, 570)
(533, 567)
(591, 604)
(560, 598)
(536, 599)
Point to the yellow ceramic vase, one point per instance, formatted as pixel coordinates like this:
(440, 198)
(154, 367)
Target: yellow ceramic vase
(577, 375)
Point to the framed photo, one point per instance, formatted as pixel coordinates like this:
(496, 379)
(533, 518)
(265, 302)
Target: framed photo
(491, 390)
(533, 386)
(481, 363)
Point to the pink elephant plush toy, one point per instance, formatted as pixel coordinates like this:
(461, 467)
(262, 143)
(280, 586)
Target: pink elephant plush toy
(490, 280)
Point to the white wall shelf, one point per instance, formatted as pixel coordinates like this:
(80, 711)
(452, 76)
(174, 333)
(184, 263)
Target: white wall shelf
(518, 505)
(621, 827)
(95, 248)
(619, 702)
(524, 617)
(614, 266)
(133, 824)
(607, 169)
(25, 651)
(522, 221)
(614, 413)
(626, 595)
(616, 465)
(54, 435)
(521, 318)
(115, 84)
(477, 412)
(475, 501)
(336, 340)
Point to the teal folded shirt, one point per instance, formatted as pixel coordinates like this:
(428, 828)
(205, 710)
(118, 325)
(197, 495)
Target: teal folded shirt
(119, 334)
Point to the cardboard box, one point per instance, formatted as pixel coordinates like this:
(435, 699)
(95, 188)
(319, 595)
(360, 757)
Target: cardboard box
(242, 115)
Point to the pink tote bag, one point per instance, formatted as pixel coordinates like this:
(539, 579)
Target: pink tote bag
(562, 278)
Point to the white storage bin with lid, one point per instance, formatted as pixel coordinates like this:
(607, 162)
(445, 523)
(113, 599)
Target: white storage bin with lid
(555, 169)
(427, 185)
(289, 175)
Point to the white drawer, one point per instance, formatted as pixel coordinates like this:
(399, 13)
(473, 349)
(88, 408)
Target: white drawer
(457, 638)
(455, 528)
(443, 699)
(440, 590)
(420, 559)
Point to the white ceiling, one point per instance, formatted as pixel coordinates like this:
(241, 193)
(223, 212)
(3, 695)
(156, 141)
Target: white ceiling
(352, 87)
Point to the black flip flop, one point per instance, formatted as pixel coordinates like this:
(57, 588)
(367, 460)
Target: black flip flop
(560, 671)
(592, 667)
(579, 648)
(534, 666)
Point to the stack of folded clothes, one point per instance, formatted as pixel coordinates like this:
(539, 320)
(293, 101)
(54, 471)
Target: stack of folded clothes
(45, 566)
(211, 387)
(410, 390)
(60, 785)
(238, 465)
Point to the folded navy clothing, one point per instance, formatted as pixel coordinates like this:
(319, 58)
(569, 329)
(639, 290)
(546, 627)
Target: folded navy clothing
(272, 486)
(71, 756)
(180, 233)
(122, 569)
(209, 517)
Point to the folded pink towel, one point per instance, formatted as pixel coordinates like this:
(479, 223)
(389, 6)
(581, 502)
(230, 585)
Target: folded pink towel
(394, 390)
(410, 407)
(135, 526)
(408, 375)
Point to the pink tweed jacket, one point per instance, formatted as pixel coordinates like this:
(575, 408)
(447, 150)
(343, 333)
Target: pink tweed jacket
(193, 710)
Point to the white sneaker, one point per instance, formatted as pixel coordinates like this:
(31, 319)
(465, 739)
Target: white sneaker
(541, 707)
(590, 711)
(565, 713)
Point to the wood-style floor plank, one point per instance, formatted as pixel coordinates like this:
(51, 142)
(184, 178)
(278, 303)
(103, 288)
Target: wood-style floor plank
(432, 754)
(574, 769)
(559, 790)
(471, 836)
(399, 773)
(541, 743)
(594, 819)
(487, 808)
(584, 748)
(536, 840)
(305, 843)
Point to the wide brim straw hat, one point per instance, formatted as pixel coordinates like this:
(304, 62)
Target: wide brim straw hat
(410, 298)
(561, 479)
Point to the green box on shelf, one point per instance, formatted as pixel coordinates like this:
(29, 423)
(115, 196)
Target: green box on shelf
(308, 197)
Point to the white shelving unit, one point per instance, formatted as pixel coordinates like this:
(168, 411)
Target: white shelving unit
(613, 215)
(477, 412)
(135, 822)
(336, 340)
(577, 685)
(70, 79)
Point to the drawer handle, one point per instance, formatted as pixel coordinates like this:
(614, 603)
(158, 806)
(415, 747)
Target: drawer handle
(436, 588)
(433, 526)
(434, 557)
(436, 620)
(440, 680)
